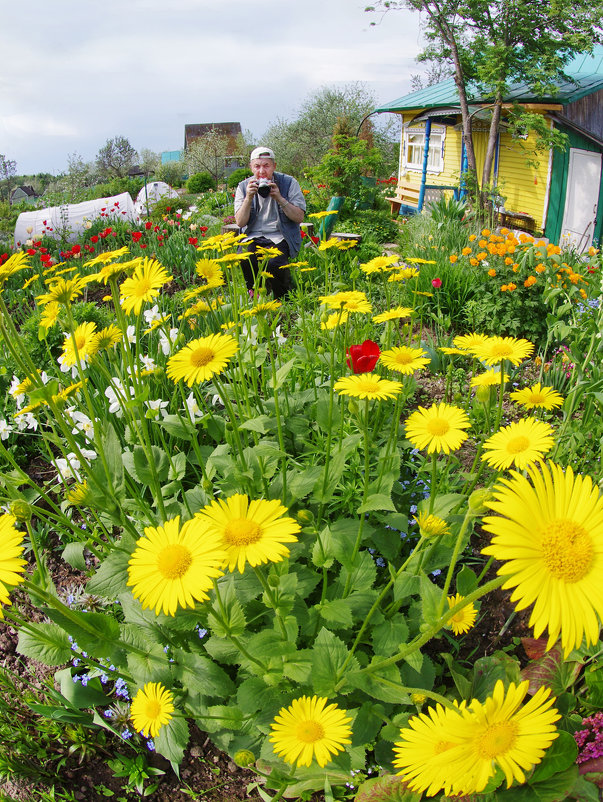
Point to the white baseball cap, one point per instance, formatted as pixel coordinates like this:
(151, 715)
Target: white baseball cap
(262, 152)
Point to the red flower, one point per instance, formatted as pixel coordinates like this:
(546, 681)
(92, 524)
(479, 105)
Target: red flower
(76, 249)
(136, 235)
(193, 240)
(148, 225)
(315, 240)
(436, 282)
(363, 358)
(203, 229)
(143, 245)
(103, 209)
(31, 251)
(94, 238)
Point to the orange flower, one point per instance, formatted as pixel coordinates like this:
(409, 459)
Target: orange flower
(472, 261)
(485, 232)
(466, 251)
(453, 258)
(584, 294)
(481, 256)
(530, 281)
(492, 272)
(472, 237)
(508, 261)
(482, 243)
(515, 267)
(503, 288)
(504, 231)
(511, 286)
(540, 268)
(510, 248)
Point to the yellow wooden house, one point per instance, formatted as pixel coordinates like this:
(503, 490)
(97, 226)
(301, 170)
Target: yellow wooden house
(560, 195)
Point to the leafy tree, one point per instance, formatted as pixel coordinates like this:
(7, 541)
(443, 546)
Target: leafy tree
(343, 166)
(116, 157)
(491, 44)
(209, 153)
(173, 173)
(149, 161)
(8, 171)
(302, 142)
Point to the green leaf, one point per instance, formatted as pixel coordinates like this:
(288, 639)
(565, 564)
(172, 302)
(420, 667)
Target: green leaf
(328, 656)
(73, 554)
(389, 634)
(378, 501)
(488, 670)
(367, 723)
(430, 600)
(111, 578)
(152, 666)
(466, 581)
(138, 466)
(201, 675)
(112, 449)
(178, 467)
(281, 374)
(178, 427)
(301, 483)
(227, 618)
(337, 612)
(80, 695)
(557, 787)
(406, 585)
(92, 631)
(172, 740)
(386, 788)
(260, 424)
(46, 643)
(559, 756)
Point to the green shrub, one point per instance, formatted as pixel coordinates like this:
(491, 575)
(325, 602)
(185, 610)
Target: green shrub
(372, 224)
(238, 175)
(200, 182)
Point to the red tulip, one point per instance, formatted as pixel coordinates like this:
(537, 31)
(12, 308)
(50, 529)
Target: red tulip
(363, 358)
(436, 282)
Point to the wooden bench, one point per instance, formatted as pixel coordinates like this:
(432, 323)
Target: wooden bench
(405, 194)
(519, 220)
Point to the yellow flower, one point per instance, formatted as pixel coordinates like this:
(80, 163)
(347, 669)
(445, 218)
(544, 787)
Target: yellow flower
(50, 315)
(334, 320)
(320, 215)
(258, 309)
(12, 566)
(367, 386)
(143, 285)
(498, 349)
(106, 257)
(537, 396)
(431, 525)
(520, 444)
(201, 359)
(469, 341)
(439, 428)
(489, 378)
(338, 299)
(379, 264)
(309, 728)
(463, 620)
(251, 532)
(173, 566)
(64, 290)
(404, 359)
(85, 339)
(211, 271)
(548, 533)
(397, 313)
(109, 337)
(151, 708)
(18, 261)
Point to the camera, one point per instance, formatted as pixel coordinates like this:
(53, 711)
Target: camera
(264, 187)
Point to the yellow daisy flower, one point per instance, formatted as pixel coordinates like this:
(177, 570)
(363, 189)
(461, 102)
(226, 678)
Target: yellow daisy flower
(504, 733)
(173, 566)
(397, 313)
(334, 320)
(368, 386)
(109, 336)
(202, 358)
(498, 349)
(258, 309)
(489, 378)
(467, 342)
(404, 359)
(86, 340)
(151, 708)
(463, 620)
(18, 261)
(379, 264)
(548, 532)
(338, 299)
(50, 315)
(310, 729)
(320, 215)
(143, 285)
(537, 396)
(439, 428)
(251, 532)
(431, 525)
(106, 257)
(520, 444)
(12, 566)
(64, 290)
(211, 271)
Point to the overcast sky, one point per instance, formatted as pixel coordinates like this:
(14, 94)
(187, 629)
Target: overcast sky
(75, 73)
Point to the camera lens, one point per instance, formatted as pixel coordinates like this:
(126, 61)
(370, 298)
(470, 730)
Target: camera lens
(264, 188)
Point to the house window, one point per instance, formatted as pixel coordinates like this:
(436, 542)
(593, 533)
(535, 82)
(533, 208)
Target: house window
(414, 147)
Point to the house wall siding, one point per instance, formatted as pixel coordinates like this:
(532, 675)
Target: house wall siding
(587, 113)
(523, 186)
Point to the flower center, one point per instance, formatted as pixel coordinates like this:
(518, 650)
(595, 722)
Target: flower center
(370, 386)
(403, 358)
(153, 709)
(80, 341)
(518, 444)
(201, 356)
(438, 427)
(501, 351)
(242, 532)
(143, 286)
(567, 550)
(174, 561)
(310, 731)
(536, 398)
(497, 739)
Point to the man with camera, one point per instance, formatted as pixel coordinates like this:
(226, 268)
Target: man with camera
(269, 208)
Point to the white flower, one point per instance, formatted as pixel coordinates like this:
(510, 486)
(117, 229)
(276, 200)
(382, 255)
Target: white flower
(117, 396)
(130, 333)
(151, 315)
(280, 338)
(5, 430)
(156, 407)
(27, 421)
(193, 409)
(83, 424)
(19, 397)
(68, 467)
(88, 453)
(166, 341)
(148, 363)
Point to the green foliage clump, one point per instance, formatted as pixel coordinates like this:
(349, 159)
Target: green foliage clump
(344, 166)
(237, 176)
(200, 182)
(372, 224)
